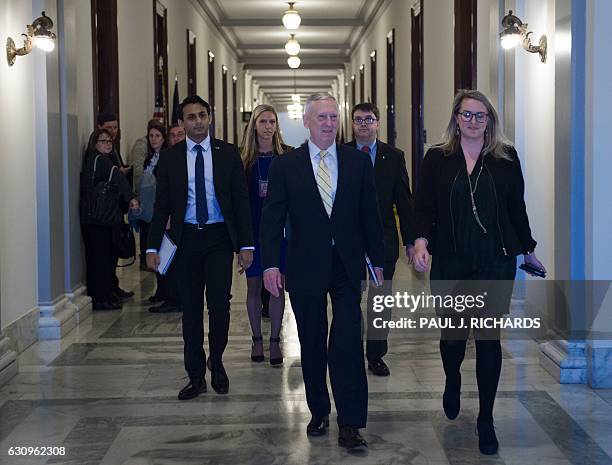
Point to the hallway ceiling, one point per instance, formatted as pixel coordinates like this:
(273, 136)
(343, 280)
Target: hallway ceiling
(329, 30)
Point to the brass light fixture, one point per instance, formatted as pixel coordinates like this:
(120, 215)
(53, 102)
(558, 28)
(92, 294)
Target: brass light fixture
(294, 62)
(291, 18)
(515, 32)
(38, 33)
(292, 47)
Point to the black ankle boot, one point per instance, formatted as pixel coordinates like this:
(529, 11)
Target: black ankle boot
(487, 441)
(256, 358)
(451, 400)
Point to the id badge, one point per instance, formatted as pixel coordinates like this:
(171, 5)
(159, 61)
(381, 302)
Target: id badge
(263, 188)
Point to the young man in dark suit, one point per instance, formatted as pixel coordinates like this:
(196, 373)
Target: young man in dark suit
(326, 192)
(392, 189)
(202, 187)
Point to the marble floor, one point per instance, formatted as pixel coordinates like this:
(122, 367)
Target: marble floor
(107, 394)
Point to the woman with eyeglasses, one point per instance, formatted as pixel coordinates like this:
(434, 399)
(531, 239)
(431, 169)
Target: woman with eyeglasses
(262, 142)
(471, 218)
(98, 168)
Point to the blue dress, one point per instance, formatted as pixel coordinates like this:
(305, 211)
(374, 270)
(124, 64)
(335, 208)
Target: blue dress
(258, 179)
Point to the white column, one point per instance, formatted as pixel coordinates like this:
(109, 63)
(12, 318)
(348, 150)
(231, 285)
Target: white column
(598, 214)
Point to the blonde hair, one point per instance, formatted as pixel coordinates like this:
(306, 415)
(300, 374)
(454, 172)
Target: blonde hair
(495, 142)
(250, 146)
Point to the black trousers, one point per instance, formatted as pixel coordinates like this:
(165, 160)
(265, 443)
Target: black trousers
(376, 344)
(204, 261)
(488, 362)
(143, 226)
(99, 261)
(344, 355)
(167, 287)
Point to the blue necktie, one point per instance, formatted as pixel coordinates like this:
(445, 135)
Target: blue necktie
(200, 188)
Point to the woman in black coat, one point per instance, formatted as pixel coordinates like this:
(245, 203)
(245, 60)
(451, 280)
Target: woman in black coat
(98, 168)
(471, 217)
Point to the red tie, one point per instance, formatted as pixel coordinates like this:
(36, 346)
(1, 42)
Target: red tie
(365, 148)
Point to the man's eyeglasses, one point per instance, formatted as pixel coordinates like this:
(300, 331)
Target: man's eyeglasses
(467, 116)
(367, 120)
(105, 141)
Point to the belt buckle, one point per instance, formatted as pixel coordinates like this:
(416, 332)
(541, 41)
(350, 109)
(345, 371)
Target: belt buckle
(200, 227)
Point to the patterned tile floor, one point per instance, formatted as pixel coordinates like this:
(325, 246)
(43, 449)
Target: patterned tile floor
(107, 393)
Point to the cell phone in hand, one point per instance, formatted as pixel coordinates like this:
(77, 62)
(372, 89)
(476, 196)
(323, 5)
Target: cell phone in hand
(532, 270)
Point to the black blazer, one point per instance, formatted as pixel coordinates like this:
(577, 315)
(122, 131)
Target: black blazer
(354, 225)
(230, 189)
(434, 208)
(393, 188)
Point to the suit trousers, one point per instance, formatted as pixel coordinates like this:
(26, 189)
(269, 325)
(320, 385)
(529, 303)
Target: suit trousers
(376, 344)
(343, 355)
(99, 261)
(204, 261)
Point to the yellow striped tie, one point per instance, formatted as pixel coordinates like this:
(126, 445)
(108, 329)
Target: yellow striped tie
(324, 183)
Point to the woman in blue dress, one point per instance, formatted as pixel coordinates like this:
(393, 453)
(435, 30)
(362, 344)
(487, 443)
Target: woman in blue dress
(260, 144)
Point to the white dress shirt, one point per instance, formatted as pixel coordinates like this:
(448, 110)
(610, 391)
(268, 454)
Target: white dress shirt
(331, 161)
(214, 210)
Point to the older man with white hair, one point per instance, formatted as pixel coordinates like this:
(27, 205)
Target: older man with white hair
(326, 192)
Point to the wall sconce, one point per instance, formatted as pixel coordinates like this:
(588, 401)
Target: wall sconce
(38, 33)
(515, 31)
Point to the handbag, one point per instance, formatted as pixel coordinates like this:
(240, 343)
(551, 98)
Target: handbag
(124, 241)
(100, 202)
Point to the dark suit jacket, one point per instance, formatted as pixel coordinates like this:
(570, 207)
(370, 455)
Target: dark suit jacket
(230, 189)
(354, 225)
(393, 188)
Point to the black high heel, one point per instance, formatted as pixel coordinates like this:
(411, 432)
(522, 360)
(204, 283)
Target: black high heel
(256, 358)
(278, 360)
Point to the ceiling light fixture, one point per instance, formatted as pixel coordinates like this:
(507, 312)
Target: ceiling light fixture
(38, 33)
(515, 32)
(291, 18)
(295, 109)
(292, 47)
(294, 62)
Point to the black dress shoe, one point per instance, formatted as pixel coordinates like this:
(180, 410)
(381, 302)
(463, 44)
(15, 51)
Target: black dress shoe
(124, 294)
(256, 358)
(164, 308)
(155, 299)
(193, 389)
(218, 378)
(487, 441)
(317, 426)
(106, 306)
(351, 439)
(451, 402)
(378, 367)
(276, 361)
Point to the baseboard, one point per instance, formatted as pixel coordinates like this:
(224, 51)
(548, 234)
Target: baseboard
(9, 366)
(23, 332)
(57, 320)
(82, 301)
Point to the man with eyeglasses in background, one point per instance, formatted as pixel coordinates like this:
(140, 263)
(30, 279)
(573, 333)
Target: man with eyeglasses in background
(392, 189)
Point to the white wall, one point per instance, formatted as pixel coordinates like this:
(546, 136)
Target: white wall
(136, 63)
(18, 259)
(293, 131)
(439, 63)
(396, 15)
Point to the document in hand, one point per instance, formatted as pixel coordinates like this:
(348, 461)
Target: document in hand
(166, 254)
(371, 271)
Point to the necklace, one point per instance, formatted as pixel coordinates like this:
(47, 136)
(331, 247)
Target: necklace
(472, 192)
